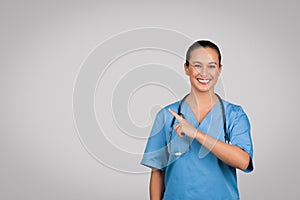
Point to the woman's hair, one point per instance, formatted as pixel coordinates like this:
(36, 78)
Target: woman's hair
(204, 44)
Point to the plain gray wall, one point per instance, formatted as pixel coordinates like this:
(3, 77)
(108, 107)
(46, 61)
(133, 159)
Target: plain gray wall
(48, 46)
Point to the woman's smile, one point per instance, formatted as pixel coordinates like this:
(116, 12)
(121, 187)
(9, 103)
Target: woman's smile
(203, 81)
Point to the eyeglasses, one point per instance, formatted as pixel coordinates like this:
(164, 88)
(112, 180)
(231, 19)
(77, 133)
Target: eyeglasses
(178, 146)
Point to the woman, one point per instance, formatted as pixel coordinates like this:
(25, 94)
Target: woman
(207, 156)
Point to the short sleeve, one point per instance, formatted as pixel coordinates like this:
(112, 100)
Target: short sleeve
(240, 135)
(156, 155)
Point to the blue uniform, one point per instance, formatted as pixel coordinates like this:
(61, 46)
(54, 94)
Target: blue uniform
(198, 174)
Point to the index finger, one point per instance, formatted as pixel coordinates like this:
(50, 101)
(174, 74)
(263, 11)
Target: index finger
(178, 117)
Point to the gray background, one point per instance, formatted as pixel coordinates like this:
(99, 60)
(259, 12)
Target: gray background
(44, 45)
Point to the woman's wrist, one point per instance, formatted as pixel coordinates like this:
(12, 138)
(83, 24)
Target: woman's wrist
(200, 136)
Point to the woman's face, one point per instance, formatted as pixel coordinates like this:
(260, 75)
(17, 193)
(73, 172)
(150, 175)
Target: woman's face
(204, 69)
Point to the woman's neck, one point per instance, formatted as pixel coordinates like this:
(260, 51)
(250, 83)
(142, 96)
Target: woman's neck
(202, 99)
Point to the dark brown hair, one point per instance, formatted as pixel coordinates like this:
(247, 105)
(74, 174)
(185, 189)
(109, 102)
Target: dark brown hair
(204, 44)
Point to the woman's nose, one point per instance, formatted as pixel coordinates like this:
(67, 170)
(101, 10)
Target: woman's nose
(203, 71)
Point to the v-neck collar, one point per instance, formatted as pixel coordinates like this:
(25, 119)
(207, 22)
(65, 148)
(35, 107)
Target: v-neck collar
(190, 116)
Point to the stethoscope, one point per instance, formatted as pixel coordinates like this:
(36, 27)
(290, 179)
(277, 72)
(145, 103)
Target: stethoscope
(226, 137)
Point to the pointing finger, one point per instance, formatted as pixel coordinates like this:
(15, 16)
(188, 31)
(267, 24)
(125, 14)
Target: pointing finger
(178, 117)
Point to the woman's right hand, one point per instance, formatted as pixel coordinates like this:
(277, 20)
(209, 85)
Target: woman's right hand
(183, 127)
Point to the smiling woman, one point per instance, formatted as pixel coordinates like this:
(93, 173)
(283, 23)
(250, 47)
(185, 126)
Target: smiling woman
(187, 174)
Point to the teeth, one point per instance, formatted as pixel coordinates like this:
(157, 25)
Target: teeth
(203, 81)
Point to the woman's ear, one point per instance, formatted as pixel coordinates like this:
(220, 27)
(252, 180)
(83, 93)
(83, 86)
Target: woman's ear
(186, 69)
(220, 69)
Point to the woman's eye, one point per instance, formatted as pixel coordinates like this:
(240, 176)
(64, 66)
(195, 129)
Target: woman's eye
(211, 66)
(197, 66)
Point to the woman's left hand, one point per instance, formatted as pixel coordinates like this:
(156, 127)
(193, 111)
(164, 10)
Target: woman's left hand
(183, 127)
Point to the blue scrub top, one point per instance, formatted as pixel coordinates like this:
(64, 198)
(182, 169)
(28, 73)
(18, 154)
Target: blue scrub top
(198, 174)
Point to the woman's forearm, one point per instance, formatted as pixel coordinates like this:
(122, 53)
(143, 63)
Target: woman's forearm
(229, 154)
(156, 184)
